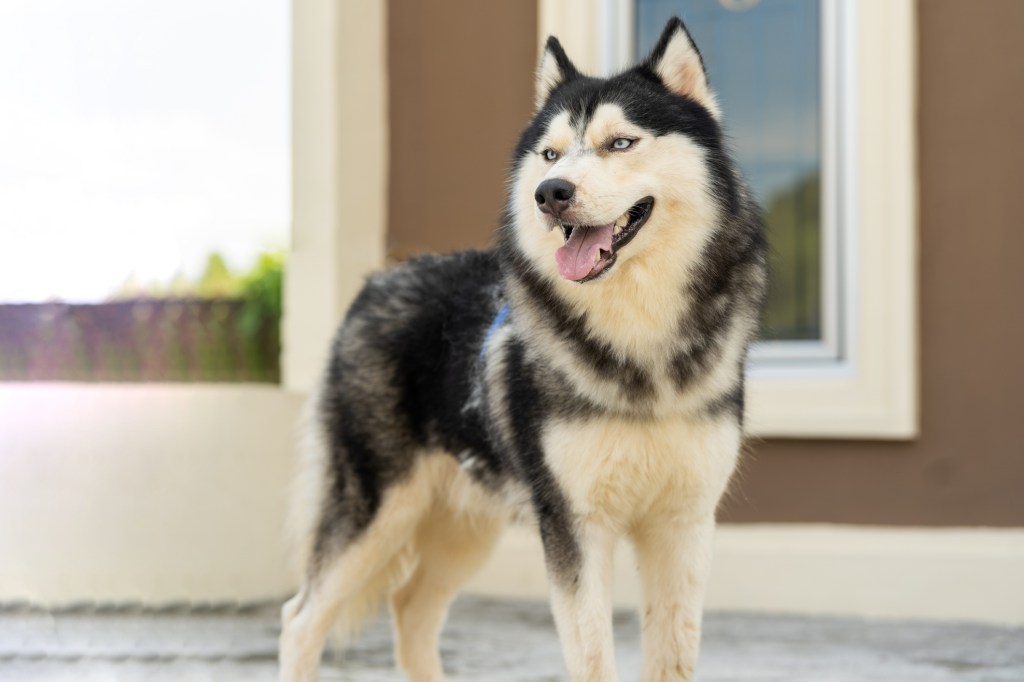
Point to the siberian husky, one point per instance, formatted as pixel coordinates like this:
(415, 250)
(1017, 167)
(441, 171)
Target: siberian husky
(585, 375)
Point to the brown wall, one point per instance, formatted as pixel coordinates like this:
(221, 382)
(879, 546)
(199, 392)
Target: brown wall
(967, 466)
(461, 89)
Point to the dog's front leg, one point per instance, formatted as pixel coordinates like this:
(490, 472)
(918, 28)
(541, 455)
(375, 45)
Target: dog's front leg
(674, 561)
(581, 574)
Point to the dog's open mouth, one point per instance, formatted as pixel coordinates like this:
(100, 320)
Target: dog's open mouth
(590, 250)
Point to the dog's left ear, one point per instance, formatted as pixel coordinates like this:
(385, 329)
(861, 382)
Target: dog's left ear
(677, 62)
(555, 68)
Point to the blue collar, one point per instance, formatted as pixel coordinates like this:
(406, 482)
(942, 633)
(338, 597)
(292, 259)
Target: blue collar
(499, 320)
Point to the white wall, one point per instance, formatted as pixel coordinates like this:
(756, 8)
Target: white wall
(160, 493)
(152, 492)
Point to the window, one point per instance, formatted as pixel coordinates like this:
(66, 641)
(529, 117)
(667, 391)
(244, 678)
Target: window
(776, 108)
(838, 358)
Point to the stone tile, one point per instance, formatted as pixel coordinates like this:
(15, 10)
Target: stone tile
(493, 641)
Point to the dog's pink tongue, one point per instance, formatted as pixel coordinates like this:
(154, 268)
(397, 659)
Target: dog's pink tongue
(580, 255)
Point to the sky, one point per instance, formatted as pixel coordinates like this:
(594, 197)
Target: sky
(136, 137)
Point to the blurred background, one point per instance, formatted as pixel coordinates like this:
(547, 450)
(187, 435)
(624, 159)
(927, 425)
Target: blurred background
(191, 192)
(145, 190)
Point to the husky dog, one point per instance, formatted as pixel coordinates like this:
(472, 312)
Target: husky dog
(586, 375)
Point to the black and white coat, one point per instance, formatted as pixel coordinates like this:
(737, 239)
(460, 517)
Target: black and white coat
(465, 390)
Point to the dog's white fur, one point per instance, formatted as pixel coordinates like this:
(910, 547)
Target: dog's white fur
(656, 484)
(658, 262)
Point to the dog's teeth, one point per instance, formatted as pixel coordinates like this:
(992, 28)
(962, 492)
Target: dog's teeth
(617, 229)
(622, 221)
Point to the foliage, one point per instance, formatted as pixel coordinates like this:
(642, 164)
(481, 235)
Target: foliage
(793, 219)
(262, 293)
(217, 280)
(221, 326)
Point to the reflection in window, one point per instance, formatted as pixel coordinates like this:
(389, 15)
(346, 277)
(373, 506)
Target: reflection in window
(764, 61)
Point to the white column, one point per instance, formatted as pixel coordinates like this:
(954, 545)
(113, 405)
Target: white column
(339, 172)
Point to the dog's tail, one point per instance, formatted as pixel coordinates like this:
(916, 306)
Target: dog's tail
(308, 497)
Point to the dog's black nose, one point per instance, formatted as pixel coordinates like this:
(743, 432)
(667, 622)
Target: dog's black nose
(554, 195)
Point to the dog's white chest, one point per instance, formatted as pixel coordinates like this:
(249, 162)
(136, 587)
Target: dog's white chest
(622, 471)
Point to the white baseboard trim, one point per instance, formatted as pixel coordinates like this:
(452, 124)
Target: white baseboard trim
(959, 574)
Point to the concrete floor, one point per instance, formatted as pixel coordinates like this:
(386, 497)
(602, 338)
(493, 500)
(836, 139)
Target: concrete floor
(492, 641)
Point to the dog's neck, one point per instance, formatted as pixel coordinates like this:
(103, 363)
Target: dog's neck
(637, 310)
(627, 329)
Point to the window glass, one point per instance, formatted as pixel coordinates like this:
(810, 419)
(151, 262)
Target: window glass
(764, 61)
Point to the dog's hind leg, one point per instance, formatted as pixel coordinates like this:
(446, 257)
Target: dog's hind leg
(451, 546)
(345, 584)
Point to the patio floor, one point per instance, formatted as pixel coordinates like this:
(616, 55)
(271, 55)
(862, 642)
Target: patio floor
(492, 641)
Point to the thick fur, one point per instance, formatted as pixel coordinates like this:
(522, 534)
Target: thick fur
(600, 410)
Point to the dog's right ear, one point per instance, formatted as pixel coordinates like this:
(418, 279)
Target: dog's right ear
(677, 62)
(555, 69)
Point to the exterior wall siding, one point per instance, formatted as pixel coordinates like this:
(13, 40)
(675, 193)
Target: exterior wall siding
(967, 465)
(461, 88)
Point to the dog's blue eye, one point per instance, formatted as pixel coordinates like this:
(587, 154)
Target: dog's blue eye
(622, 143)
(550, 154)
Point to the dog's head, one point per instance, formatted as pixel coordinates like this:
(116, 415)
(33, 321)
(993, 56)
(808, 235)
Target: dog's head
(619, 174)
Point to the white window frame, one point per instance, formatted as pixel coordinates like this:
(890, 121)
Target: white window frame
(860, 381)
